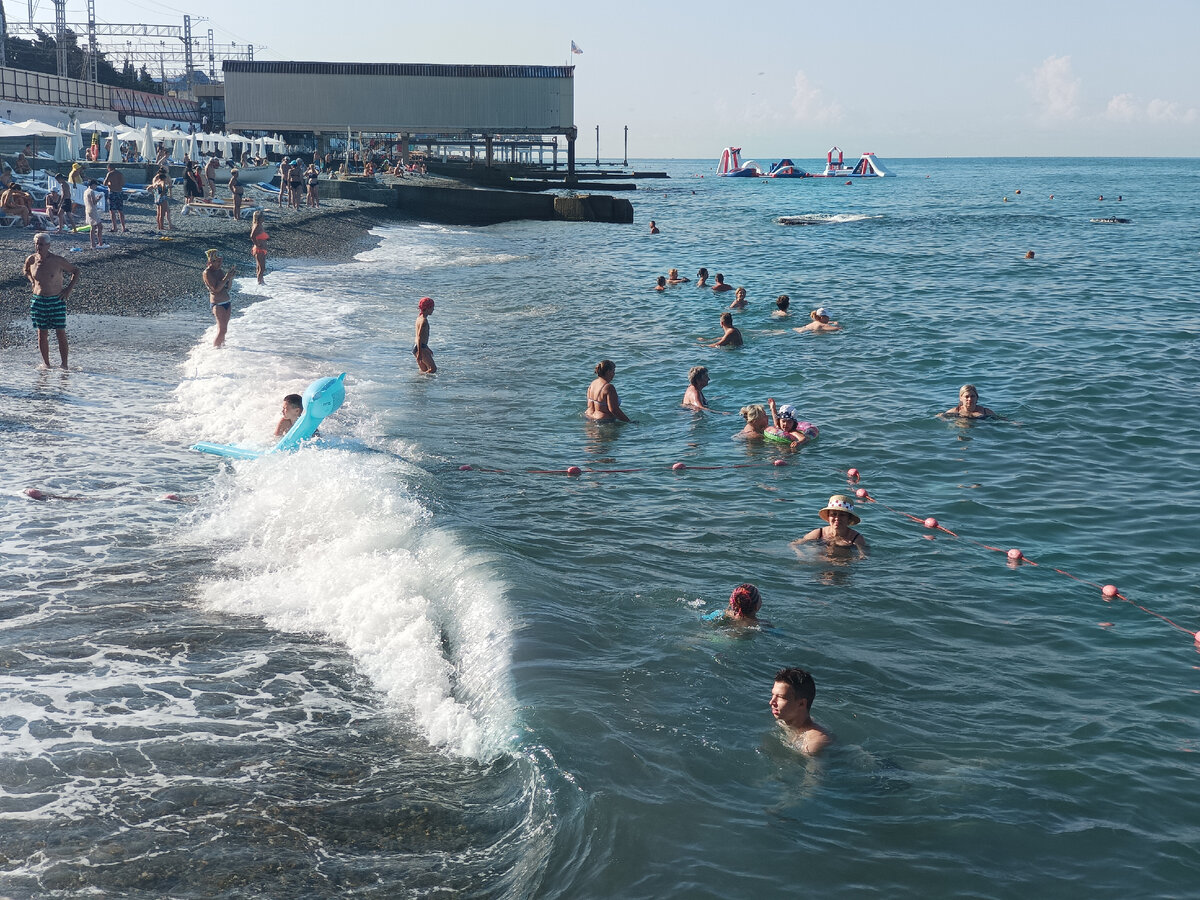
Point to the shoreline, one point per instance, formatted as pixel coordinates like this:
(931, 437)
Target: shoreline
(140, 275)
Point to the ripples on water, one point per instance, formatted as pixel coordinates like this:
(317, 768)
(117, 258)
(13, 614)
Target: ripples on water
(365, 671)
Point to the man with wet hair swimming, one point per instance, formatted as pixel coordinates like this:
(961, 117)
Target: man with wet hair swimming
(792, 696)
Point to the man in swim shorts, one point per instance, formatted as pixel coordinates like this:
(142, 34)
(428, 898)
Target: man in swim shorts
(49, 310)
(115, 182)
(791, 702)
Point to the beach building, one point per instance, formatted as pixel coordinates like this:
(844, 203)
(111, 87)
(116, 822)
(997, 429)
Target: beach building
(459, 103)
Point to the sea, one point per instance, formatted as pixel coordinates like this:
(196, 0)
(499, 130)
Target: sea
(418, 660)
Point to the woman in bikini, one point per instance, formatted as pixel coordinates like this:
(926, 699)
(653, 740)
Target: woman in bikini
(311, 176)
(602, 402)
(235, 190)
(160, 188)
(258, 237)
(217, 283)
(838, 537)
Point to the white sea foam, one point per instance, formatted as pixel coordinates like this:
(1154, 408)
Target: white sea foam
(335, 543)
(824, 218)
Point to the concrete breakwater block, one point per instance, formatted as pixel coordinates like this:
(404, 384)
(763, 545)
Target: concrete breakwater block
(593, 208)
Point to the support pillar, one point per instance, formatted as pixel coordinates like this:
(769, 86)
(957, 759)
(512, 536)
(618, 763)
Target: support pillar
(571, 135)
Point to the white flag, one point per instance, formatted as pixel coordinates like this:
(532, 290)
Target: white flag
(575, 48)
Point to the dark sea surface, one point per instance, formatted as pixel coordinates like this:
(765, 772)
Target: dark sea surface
(364, 671)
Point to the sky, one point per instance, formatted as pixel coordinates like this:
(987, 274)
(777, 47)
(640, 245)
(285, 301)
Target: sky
(908, 78)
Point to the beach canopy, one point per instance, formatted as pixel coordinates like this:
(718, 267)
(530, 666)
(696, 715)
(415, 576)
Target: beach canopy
(129, 134)
(236, 138)
(33, 126)
(97, 125)
(114, 146)
(148, 144)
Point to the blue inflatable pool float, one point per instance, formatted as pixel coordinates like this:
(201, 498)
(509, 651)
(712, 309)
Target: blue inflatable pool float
(322, 398)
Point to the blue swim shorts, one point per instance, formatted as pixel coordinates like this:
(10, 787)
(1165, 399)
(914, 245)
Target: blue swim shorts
(48, 312)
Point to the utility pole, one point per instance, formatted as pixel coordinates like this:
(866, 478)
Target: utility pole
(625, 162)
(60, 31)
(597, 145)
(189, 63)
(3, 36)
(93, 58)
(212, 57)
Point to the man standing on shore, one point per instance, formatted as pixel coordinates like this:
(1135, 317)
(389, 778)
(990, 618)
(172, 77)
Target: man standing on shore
(45, 273)
(115, 182)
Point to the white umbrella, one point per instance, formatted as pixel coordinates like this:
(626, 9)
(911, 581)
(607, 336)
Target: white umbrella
(97, 125)
(33, 126)
(236, 138)
(130, 134)
(76, 141)
(114, 152)
(148, 144)
(193, 149)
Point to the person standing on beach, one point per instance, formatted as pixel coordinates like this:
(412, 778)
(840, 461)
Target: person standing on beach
(217, 282)
(283, 181)
(421, 346)
(210, 175)
(160, 190)
(115, 182)
(49, 309)
(235, 191)
(311, 177)
(91, 205)
(258, 238)
(792, 695)
(66, 205)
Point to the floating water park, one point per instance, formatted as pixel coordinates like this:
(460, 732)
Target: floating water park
(867, 166)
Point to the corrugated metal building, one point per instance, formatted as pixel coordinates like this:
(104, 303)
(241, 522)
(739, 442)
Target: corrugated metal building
(407, 98)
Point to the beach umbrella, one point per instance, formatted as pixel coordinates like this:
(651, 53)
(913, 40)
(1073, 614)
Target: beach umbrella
(114, 152)
(148, 143)
(42, 129)
(193, 148)
(97, 125)
(129, 134)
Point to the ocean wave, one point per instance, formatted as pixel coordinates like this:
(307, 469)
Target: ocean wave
(824, 218)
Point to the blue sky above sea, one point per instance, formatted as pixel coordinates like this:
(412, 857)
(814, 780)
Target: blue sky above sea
(916, 79)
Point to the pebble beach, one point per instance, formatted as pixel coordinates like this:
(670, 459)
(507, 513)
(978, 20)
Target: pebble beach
(141, 273)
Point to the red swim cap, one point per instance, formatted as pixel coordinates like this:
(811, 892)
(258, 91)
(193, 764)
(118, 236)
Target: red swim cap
(425, 304)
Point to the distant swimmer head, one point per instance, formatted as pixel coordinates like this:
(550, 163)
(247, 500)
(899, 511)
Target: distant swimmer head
(425, 305)
(968, 390)
(1029, 254)
(840, 504)
(782, 301)
(745, 601)
(820, 314)
(703, 273)
(720, 278)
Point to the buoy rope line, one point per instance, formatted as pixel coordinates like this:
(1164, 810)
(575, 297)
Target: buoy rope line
(1015, 556)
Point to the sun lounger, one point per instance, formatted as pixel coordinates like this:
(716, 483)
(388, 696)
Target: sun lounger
(215, 209)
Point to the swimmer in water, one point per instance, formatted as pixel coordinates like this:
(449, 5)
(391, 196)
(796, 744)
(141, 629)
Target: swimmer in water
(1029, 254)
(602, 402)
(653, 227)
(421, 341)
(673, 277)
(720, 286)
(661, 283)
(744, 604)
(968, 406)
(785, 423)
(792, 696)
(838, 536)
(732, 337)
(702, 278)
(821, 321)
(756, 421)
(697, 380)
(739, 299)
(781, 306)
(293, 409)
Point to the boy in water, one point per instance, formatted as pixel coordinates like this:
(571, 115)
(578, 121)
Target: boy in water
(421, 346)
(293, 409)
(791, 702)
(732, 337)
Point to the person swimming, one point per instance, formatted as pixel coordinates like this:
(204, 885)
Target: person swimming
(739, 299)
(603, 405)
(968, 408)
(694, 395)
(744, 605)
(702, 278)
(838, 536)
(785, 424)
(673, 277)
(822, 320)
(756, 421)
(782, 302)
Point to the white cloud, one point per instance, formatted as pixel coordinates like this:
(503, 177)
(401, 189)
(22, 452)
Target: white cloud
(1055, 88)
(1127, 108)
(808, 103)
(1122, 108)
